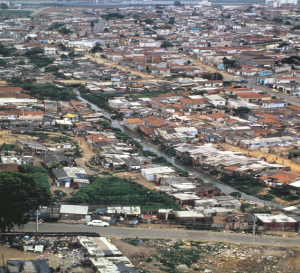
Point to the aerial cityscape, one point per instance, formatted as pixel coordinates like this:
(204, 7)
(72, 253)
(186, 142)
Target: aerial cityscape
(150, 136)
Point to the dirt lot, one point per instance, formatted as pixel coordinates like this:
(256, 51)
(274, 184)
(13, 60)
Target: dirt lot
(295, 167)
(185, 256)
(152, 255)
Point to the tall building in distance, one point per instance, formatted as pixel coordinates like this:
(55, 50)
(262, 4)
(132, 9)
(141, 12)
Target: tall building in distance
(280, 3)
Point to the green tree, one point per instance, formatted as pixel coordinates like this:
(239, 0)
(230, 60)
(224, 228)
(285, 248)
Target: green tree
(57, 165)
(64, 31)
(172, 21)
(242, 110)
(34, 51)
(296, 27)
(212, 76)
(104, 123)
(19, 194)
(96, 48)
(62, 47)
(148, 70)
(178, 3)
(283, 44)
(4, 51)
(228, 63)
(3, 62)
(277, 20)
(4, 6)
(55, 26)
(166, 44)
(149, 21)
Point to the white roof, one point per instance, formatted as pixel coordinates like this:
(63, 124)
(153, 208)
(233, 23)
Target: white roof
(158, 170)
(192, 213)
(73, 209)
(290, 208)
(275, 218)
(64, 122)
(296, 184)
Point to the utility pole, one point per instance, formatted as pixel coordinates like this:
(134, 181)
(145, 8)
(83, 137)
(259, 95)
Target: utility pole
(37, 221)
(253, 234)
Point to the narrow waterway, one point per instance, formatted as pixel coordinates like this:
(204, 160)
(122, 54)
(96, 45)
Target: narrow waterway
(206, 177)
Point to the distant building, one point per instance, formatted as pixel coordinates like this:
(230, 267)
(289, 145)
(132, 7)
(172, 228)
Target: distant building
(280, 3)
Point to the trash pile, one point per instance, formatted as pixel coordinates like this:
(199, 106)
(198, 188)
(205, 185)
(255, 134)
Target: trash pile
(60, 252)
(40, 244)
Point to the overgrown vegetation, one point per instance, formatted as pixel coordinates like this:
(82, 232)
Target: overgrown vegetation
(113, 190)
(10, 147)
(244, 184)
(99, 100)
(42, 91)
(284, 193)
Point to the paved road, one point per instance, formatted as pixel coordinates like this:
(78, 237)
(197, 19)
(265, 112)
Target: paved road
(288, 98)
(119, 232)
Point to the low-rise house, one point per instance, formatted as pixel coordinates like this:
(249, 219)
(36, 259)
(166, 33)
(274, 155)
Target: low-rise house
(275, 222)
(151, 173)
(65, 177)
(133, 123)
(32, 147)
(216, 100)
(184, 199)
(218, 117)
(281, 178)
(193, 216)
(206, 191)
(240, 221)
(55, 158)
(274, 103)
(73, 212)
(61, 179)
(193, 104)
(219, 201)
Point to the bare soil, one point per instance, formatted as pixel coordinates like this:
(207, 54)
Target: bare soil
(235, 258)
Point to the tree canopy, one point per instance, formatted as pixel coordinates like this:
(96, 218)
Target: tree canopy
(212, 76)
(242, 110)
(166, 44)
(19, 194)
(64, 31)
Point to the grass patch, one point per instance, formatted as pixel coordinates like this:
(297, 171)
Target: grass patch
(15, 13)
(116, 191)
(244, 184)
(150, 94)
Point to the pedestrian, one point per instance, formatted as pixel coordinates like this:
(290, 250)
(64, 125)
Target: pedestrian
(125, 175)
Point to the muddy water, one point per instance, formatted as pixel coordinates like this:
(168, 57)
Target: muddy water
(147, 146)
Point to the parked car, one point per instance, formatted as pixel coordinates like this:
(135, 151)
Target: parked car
(98, 223)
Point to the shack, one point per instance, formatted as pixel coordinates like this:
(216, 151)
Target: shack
(73, 212)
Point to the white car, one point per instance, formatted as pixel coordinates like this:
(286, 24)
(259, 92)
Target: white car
(98, 223)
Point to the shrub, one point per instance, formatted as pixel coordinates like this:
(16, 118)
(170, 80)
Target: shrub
(60, 193)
